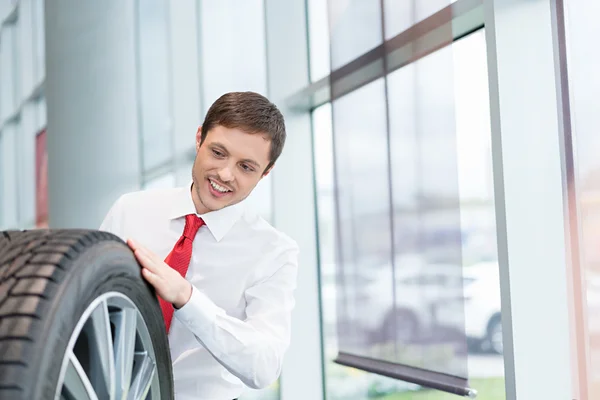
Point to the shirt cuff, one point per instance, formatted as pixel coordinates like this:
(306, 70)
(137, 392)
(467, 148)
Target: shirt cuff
(199, 313)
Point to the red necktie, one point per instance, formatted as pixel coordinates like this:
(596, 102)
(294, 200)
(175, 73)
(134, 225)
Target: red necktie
(179, 259)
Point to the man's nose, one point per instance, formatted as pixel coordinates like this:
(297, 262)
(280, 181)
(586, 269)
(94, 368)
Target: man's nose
(225, 174)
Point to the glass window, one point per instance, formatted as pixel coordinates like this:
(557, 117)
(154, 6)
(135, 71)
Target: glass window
(154, 90)
(365, 271)
(354, 28)
(401, 15)
(583, 63)
(429, 314)
(445, 254)
(233, 52)
(318, 30)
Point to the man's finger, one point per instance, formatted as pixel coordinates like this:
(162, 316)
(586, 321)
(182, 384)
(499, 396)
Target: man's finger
(133, 244)
(149, 254)
(144, 259)
(151, 277)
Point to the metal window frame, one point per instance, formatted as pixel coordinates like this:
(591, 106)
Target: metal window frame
(529, 191)
(423, 38)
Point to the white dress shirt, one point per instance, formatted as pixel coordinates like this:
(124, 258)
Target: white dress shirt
(235, 329)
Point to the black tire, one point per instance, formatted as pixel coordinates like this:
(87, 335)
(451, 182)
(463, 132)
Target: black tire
(493, 337)
(47, 280)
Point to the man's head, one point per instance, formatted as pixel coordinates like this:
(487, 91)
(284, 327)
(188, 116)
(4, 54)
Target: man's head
(242, 136)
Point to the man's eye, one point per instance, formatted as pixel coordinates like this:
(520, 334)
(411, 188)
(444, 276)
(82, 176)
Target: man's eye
(247, 168)
(217, 153)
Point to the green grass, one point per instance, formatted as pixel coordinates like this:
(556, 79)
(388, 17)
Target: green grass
(487, 389)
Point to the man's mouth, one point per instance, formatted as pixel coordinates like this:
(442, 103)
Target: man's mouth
(217, 187)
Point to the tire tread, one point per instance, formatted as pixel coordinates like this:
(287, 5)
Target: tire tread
(31, 264)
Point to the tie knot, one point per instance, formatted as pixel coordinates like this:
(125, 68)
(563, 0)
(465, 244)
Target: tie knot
(192, 224)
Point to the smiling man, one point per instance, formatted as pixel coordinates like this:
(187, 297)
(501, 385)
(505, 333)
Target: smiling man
(224, 277)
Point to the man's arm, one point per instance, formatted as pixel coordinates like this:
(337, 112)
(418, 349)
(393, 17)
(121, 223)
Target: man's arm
(251, 349)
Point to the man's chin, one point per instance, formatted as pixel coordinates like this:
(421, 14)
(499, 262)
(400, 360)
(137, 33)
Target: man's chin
(211, 203)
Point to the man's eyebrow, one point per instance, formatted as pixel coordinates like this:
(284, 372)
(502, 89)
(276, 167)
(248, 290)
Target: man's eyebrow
(250, 161)
(219, 145)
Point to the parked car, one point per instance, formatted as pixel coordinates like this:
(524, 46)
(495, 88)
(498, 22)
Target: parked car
(483, 324)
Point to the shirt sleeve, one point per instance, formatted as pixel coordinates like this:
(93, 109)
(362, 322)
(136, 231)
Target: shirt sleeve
(251, 349)
(113, 220)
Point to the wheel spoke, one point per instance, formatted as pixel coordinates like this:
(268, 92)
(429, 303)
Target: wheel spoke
(144, 376)
(155, 387)
(125, 322)
(102, 367)
(112, 352)
(76, 384)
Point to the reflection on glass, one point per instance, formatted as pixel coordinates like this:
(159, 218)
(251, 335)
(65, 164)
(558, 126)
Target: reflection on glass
(427, 233)
(318, 36)
(360, 148)
(582, 29)
(154, 95)
(425, 224)
(402, 14)
(354, 28)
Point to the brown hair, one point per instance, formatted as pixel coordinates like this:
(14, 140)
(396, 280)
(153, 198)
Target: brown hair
(250, 112)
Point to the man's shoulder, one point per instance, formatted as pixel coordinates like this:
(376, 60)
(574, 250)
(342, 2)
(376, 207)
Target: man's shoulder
(146, 198)
(264, 231)
(148, 195)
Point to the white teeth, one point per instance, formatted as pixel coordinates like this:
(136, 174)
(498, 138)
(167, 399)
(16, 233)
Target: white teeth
(218, 187)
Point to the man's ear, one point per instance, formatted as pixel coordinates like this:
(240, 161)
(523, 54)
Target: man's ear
(198, 137)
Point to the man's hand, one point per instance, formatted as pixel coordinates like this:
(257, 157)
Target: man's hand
(167, 282)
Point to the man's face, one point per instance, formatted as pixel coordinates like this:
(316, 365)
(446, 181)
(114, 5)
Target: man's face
(228, 165)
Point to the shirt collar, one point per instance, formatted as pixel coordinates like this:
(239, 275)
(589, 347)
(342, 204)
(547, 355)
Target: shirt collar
(218, 222)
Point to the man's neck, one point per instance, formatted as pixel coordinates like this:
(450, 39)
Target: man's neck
(200, 208)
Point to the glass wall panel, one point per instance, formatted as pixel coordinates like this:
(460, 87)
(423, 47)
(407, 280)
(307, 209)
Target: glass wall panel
(402, 14)
(429, 319)
(444, 233)
(362, 176)
(354, 28)
(318, 35)
(583, 64)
